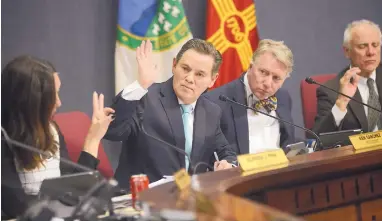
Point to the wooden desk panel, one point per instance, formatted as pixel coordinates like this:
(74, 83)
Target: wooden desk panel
(346, 213)
(325, 182)
(321, 195)
(372, 210)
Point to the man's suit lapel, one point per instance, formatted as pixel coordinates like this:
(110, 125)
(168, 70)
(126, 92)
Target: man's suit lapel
(282, 113)
(357, 109)
(171, 107)
(240, 116)
(199, 131)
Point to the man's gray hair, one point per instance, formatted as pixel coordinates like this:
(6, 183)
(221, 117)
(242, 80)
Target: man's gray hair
(348, 31)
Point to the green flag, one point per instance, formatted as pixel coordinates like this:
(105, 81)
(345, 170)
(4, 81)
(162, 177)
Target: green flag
(163, 22)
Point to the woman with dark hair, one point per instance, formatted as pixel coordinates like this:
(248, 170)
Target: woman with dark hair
(29, 98)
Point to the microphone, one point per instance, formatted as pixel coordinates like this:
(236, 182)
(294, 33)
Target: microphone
(11, 142)
(192, 166)
(140, 110)
(172, 147)
(318, 144)
(194, 183)
(309, 80)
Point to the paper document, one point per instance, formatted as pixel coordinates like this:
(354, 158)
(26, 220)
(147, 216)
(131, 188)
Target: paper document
(164, 180)
(121, 198)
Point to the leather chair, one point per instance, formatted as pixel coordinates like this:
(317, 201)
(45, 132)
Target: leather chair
(74, 126)
(309, 98)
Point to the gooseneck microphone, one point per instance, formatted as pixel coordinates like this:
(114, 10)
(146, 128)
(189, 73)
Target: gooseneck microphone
(105, 183)
(317, 145)
(309, 80)
(35, 150)
(140, 118)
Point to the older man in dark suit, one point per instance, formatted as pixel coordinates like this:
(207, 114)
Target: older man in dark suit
(362, 80)
(249, 131)
(172, 111)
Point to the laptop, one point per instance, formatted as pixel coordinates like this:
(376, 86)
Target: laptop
(337, 138)
(76, 185)
(64, 192)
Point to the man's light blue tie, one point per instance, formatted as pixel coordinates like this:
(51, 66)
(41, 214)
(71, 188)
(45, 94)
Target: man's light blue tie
(186, 115)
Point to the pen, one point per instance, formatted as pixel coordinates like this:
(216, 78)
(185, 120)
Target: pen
(216, 156)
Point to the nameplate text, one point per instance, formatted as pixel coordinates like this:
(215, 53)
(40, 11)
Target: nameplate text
(262, 161)
(366, 140)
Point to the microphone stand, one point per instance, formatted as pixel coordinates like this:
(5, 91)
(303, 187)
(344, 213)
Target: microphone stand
(140, 117)
(317, 145)
(309, 80)
(45, 210)
(11, 142)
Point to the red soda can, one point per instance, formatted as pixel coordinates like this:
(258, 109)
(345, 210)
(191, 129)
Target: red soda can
(138, 183)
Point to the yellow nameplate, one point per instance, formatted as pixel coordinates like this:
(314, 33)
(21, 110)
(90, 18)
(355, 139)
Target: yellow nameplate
(262, 161)
(204, 204)
(263, 169)
(368, 149)
(182, 179)
(366, 140)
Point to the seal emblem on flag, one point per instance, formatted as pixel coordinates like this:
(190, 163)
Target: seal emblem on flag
(163, 23)
(236, 26)
(232, 28)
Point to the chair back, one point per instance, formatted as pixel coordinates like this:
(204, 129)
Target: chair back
(74, 126)
(309, 98)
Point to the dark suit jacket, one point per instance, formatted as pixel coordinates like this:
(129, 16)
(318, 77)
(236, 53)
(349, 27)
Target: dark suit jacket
(355, 117)
(162, 118)
(15, 200)
(234, 121)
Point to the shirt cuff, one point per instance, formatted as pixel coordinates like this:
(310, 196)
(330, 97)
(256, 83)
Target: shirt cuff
(88, 160)
(338, 114)
(133, 92)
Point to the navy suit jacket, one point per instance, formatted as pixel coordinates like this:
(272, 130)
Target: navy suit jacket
(160, 114)
(234, 121)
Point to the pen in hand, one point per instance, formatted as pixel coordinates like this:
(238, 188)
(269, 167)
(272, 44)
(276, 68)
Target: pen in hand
(217, 160)
(216, 156)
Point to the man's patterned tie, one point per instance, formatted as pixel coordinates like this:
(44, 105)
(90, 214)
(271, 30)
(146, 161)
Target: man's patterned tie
(373, 117)
(269, 104)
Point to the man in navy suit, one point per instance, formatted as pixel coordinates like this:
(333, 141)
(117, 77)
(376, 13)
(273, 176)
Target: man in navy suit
(172, 111)
(259, 87)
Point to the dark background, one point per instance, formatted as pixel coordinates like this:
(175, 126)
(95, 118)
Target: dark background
(78, 36)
